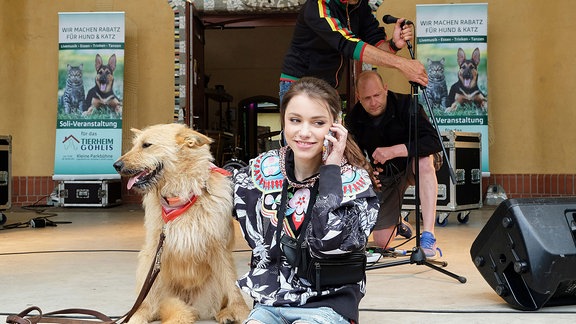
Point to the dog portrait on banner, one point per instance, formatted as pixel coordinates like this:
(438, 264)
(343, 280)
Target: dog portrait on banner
(465, 92)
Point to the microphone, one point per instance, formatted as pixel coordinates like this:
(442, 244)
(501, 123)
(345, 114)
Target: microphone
(388, 19)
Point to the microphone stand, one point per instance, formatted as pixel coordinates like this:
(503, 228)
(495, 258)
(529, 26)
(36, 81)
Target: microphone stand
(417, 256)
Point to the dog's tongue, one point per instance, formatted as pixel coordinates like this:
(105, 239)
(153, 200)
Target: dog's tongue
(467, 82)
(102, 87)
(133, 180)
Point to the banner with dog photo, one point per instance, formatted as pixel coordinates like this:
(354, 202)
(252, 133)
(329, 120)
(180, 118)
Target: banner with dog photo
(452, 45)
(90, 95)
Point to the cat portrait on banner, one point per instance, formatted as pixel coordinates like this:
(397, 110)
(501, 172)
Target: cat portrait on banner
(437, 90)
(72, 100)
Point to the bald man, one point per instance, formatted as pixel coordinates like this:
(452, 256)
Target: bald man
(380, 124)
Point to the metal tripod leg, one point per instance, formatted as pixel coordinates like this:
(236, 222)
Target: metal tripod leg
(418, 257)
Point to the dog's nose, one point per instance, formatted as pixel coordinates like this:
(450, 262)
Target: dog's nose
(103, 78)
(118, 165)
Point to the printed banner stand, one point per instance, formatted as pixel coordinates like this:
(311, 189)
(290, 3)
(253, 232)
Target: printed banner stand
(90, 95)
(452, 45)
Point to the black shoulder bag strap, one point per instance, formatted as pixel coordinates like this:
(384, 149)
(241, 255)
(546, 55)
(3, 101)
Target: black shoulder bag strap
(307, 216)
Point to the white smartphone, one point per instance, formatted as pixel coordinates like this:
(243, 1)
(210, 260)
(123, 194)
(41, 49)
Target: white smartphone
(326, 147)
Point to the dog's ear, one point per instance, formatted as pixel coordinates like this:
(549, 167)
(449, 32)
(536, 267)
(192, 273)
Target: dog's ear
(135, 135)
(476, 56)
(192, 138)
(461, 56)
(136, 131)
(98, 62)
(112, 62)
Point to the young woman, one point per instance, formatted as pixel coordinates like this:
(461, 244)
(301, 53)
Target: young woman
(297, 192)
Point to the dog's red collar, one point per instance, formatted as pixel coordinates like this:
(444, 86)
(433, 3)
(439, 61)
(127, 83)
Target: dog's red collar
(214, 168)
(170, 213)
(171, 208)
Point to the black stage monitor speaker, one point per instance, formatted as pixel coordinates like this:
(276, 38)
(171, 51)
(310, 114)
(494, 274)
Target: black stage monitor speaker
(527, 252)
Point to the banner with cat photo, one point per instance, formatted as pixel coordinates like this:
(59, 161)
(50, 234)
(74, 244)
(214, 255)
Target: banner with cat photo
(90, 95)
(452, 45)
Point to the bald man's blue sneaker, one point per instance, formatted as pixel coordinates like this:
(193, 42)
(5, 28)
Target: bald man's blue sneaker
(428, 245)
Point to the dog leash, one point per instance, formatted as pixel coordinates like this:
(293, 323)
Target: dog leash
(152, 274)
(52, 317)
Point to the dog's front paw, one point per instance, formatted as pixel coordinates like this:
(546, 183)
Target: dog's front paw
(176, 311)
(232, 314)
(225, 316)
(137, 319)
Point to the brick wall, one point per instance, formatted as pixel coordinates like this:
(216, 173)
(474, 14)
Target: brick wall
(30, 190)
(533, 185)
(36, 190)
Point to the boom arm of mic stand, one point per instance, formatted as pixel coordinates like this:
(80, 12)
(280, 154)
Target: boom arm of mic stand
(431, 113)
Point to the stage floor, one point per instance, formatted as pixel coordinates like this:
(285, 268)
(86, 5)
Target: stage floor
(91, 261)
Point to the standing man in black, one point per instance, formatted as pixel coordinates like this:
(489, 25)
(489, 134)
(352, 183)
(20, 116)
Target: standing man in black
(329, 32)
(381, 125)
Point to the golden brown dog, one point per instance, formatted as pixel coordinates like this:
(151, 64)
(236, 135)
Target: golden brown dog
(188, 196)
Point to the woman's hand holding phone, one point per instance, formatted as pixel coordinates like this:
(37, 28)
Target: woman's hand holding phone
(334, 143)
(327, 147)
